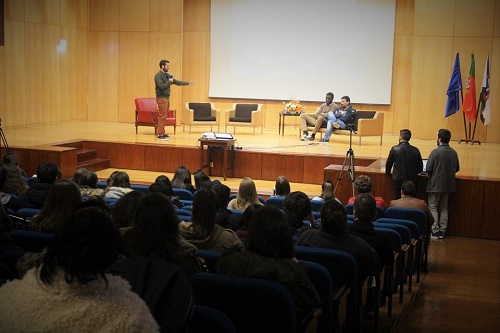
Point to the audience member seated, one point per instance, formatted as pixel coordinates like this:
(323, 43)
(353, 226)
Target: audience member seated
(88, 185)
(11, 160)
(9, 181)
(326, 192)
(6, 241)
(182, 179)
(246, 221)
(202, 231)
(365, 211)
(64, 196)
(15, 183)
(46, 174)
(162, 187)
(270, 256)
(298, 209)
(408, 200)
(155, 233)
(363, 184)
(110, 178)
(119, 186)
(247, 195)
(77, 176)
(124, 209)
(70, 291)
(201, 179)
(281, 187)
(225, 218)
(333, 235)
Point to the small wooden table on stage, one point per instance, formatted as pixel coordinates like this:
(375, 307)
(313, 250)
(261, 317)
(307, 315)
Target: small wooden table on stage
(226, 145)
(281, 125)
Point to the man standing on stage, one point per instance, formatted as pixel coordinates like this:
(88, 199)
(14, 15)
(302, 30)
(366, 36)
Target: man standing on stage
(163, 81)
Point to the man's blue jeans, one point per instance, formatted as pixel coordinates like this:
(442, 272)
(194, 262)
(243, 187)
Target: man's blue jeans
(329, 125)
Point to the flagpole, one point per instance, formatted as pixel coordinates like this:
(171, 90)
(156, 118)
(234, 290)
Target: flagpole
(465, 124)
(475, 123)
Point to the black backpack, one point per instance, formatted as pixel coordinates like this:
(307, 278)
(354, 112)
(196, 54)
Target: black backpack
(163, 286)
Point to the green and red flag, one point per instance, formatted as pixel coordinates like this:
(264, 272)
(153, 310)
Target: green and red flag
(469, 104)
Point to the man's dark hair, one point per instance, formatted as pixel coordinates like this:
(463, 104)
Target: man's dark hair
(346, 98)
(164, 62)
(223, 192)
(10, 159)
(408, 187)
(330, 94)
(444, 135)
(333, 217)
(363, 184)
(47, 173)
(365, 207)
(405, 134)
(269, 234)
(160, 187)
(297, 204)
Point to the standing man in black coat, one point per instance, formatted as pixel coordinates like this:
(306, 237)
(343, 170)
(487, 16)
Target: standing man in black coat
(405, 162)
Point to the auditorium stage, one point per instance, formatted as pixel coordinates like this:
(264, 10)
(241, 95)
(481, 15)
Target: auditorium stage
(476, 161)
(263, 157)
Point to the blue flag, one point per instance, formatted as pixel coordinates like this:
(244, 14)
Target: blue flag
(455, 86)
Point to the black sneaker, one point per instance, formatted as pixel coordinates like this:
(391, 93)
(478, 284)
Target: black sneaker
(434, 235)
(162, 137)
(441, 234)
(311, 137)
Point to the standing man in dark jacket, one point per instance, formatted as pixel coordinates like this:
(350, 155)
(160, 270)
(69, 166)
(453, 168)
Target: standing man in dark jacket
(441, 166)
(405, 161)
(163, 81)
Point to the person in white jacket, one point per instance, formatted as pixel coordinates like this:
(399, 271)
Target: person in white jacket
(70, 292)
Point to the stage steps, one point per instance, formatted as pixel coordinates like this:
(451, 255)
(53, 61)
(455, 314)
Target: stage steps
(87, 158)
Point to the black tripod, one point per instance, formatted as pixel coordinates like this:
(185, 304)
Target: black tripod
(348, 166)
(4, 141)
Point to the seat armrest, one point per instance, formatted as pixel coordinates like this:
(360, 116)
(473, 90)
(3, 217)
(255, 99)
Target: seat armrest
(340, 304)
(374, 126)
(229, 114)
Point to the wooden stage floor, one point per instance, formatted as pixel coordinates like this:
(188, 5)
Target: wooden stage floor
(476, 161)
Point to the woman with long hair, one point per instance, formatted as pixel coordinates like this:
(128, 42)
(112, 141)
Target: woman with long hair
(247, 195)
(155, 233)
(88, 184)
(202, 231)
(182, 179)
(270, 255)
(64, 196)
(71, 292)
(119, 186)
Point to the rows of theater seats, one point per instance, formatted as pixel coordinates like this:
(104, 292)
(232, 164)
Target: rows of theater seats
(333, 272)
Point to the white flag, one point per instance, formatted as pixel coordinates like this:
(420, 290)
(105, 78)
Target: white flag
(484, 98)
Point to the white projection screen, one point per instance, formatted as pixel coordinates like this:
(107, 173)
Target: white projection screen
(279, 49)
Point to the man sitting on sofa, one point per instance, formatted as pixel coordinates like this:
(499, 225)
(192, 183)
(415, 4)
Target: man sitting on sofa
(340, 118)
(317, 119)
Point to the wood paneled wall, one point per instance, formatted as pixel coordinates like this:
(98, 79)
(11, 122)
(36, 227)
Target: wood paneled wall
(114, 46)
(44, 62)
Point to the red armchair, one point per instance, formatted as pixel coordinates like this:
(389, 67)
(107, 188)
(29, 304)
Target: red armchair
(146, 114)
